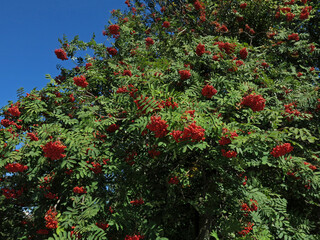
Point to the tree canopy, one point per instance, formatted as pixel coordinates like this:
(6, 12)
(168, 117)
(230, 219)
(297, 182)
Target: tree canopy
(198, 120)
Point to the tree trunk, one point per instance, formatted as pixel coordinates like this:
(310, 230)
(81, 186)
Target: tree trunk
(205, 226)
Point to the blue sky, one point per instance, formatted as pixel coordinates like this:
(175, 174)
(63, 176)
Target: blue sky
(30, 32)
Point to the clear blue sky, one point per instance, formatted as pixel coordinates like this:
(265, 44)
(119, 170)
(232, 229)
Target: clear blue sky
(30, 31)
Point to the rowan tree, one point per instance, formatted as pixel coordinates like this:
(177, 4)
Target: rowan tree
(199, 120)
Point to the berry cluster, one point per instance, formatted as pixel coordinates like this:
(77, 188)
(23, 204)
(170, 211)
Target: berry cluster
(249, 29)
(61, 54)
(122, 89)
(226, 139)
(7, 122)
(245, 178)
(154, 153)
(200, 50)
(228, 154)
(51, 195)
(166, 24)
(149, 41)
(60, 79)
(255, 102)
(228, 48)
(198, 5)
(174, 180)
(54, 150)
(137, 202)
(88, 66)
(264, 65)
(252, 208)
(51, 221)
(80, 81)
(290, 16)
(281, 150)
(135, 237)
(16, 167)
(243, 53)
(14, 111)
(45, 182)
(208, 91)
(223, 28)
(32, 137)
(184, 74)
(305, 12)
(192, 132)
(243, 5)
(113, 128)
(112, 51)
(114, 30)
(79, 190)
(170, 103)
(127, 72)
(246, 229)
(96, 167)
(239, 63)
(42, 231)
(217, 57)
(103, 226)
(290, 111)
(312, 167)
(293, 36)
(158, 126)
(11, 193)
(74, 233)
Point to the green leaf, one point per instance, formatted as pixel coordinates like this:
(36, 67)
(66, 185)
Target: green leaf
(214, 234)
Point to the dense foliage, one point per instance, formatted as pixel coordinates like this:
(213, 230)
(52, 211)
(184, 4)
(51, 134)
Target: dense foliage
(199, 121)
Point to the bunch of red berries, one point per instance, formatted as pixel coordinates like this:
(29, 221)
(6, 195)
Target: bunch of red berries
(54, 150)
(281, 150)
(255, 102)
(158, 126)
(16, 167)
(51, 221)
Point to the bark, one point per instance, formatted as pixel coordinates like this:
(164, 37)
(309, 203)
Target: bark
(205, 227)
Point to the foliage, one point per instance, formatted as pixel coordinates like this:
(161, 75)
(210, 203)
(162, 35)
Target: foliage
(205, 127)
